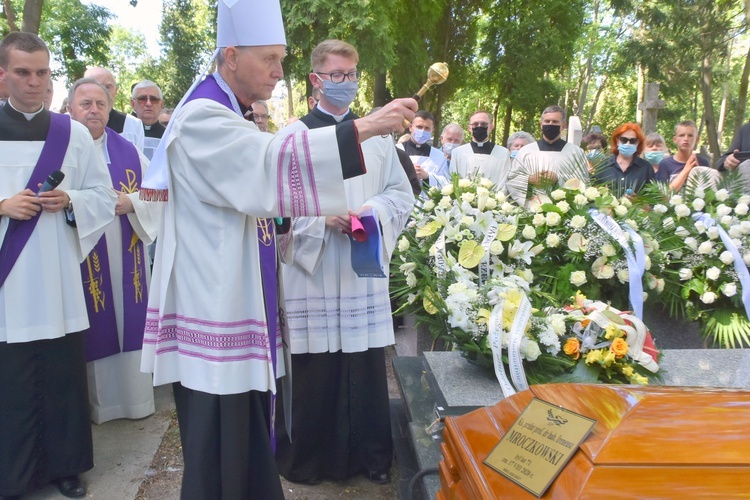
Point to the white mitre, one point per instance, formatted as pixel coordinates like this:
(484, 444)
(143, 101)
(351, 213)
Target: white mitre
(245, 23)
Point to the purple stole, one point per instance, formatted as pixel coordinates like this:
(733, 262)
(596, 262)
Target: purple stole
(101, 337)
(50, 159)
(210, 89)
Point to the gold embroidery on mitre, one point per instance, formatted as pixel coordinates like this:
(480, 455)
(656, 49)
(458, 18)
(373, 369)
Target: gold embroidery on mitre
(266, 231)
(95, 281)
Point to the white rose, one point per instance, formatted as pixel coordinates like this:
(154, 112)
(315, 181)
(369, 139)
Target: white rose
(713, 273)
(647, 262)
(746, 259)
(496, 247)
(708, 298)
(529, 349)
(403, 244)
(623, 275)
(705, 248)
(745, 198)
(691, 243)
(699, 192)
(464, 183)
(608, 250)
(729, 289)
(681, 232)
(685, 274)
(456, 288)
(651, 281)
(660, 209)
(580, 200)
(632, 223)
(447, 189)
(726, 220)
(485, 182)
(682, 210)
(467, 220)
(445, 202)
(667, 222)
(621, 210)
(563, 206)
(591, 193)
(557, 194)
(490, 204)
(698, 204)
(553, 218)
(526, 275)
(741, 209)
(675, 200)
(700, 227)
(734, 232)
(712, 232)
(606, 272)
(578, 222)
(723, 210)
(507, 207)
(429, 205)
(726, 257)
(722, 195)
(529, 232)
(578, 278)
(538, 220)
(552, 240)
(468, 197)
(745, 227)
(737, 242)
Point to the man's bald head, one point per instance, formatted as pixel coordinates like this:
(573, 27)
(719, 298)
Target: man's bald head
(104, 77)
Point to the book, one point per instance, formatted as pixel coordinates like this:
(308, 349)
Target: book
(367, 245)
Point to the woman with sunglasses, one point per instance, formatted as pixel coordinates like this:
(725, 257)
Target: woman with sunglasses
(625, 172)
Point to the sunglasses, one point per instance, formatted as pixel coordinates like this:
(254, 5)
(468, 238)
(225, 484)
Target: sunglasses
(143, 98)
(626, 140)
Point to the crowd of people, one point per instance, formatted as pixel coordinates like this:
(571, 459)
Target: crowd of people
(250, 280)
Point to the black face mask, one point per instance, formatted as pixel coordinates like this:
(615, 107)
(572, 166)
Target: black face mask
(551, 132)
(479, 133)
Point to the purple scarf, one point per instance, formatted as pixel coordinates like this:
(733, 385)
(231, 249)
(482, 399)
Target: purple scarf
(101, 337)
(50, 159)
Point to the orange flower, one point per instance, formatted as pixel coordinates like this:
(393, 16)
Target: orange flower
(572, 348)
(619, 347)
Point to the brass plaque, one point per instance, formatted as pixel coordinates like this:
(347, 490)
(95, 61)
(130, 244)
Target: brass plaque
(538, 445)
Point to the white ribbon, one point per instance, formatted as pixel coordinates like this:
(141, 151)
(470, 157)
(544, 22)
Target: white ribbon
(484, 264)
(440, 255)
(496, 331)
(636, 261)
(739, 264)
(515, 361)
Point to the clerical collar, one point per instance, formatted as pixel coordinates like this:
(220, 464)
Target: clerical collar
(480, 144)
(482, 148)
(558, 145)
(28, 116)
(414, 149)
(338, 118)
(146, 127)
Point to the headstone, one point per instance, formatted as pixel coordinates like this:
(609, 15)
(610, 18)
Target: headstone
(650, 106)
(575, 132)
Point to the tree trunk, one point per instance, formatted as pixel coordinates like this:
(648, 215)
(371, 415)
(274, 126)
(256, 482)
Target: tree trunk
(725, 96)
(290, 99)
(708, 107)
(641, 89)
(739, 117)
(10, 15)
(506, 121)
(595, 104)
(32, 16)
(379, 91)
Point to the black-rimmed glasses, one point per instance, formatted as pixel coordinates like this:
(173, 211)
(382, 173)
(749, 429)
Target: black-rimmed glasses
(626, 140)
(340, 76)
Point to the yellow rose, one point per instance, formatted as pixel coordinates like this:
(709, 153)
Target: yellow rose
(572, 348)
(619, 347)
(594, 356)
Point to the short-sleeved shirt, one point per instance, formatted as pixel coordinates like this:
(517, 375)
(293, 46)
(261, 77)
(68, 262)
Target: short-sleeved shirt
(638, 174)
(669, 167)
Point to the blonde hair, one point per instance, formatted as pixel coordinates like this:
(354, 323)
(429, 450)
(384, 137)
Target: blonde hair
(338, 47)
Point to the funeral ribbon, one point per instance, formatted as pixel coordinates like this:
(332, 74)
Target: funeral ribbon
(440, 255)
(636, 260)
(739, 265)
(484, 264)
(515, 362)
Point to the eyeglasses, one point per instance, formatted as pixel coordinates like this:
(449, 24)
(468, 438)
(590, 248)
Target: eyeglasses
(257, 117)
(143, 98)
(479, 124)
(340, 76)
(626, 140)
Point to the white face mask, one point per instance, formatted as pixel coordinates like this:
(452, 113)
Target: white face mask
(448, 147)
(421, 136)
(341, 94)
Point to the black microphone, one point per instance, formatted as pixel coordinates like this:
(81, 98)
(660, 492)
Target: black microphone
(54, 180)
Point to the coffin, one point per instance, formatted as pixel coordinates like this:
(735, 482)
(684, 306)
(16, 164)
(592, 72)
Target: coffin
(649, 442)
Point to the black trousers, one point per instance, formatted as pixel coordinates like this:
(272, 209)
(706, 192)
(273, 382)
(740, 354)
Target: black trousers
(45, 433)
(226, 446)
(340, 417)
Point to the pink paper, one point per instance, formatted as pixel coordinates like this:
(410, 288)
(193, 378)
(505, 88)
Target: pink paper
(358, 231)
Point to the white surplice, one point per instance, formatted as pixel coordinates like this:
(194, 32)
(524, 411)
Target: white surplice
(569, 162)
(493, 166)
(328, 307)
(42, 298)
(117, 387)
(206, 325)
(436, 165)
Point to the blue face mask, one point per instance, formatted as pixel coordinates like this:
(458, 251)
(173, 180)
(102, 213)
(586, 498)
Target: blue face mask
(627, 150)
(654, 157)
(341, 94)
(421, 136)
(514, 153)
(448, 147)
(594, 155)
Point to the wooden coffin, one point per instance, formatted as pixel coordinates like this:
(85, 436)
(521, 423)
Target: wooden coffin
(649, 442)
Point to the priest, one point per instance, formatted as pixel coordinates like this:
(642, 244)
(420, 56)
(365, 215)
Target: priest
(430, 163)
(213, 326)
(118, 265)
(481, 156)
(45, 433)
(339, 323)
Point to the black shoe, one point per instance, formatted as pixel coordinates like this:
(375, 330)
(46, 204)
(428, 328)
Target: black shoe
(379, 476)
(70, 486)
